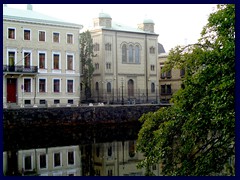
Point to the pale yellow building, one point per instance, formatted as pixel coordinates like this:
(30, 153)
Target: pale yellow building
(169, 82)
(40, 59)
(119, 159)
(126, 61)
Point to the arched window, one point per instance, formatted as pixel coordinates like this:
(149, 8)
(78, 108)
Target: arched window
(130, 88)
(131, 54)
(137, 54)
(109, 87)
(124, 53)
(152, 87)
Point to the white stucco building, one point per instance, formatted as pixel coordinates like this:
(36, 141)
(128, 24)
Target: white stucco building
(126, 61)
(40, 59)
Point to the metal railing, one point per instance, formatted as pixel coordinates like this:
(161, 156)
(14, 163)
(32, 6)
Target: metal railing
(20, 69)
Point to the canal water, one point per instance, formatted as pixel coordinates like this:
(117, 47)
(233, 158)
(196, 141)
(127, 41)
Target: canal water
(116, 158)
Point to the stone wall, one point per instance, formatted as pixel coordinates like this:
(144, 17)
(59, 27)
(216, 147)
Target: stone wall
(48, 127)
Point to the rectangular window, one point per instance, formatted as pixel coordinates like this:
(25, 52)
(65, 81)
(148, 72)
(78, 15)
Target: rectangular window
(69, 62)
(70, 86)
(11, 33)
(182, 72)
(27, 61)
(42, 101)
(169, 74)
(70, 38)
(42, 57)
(56, 61)
(152, 50)
(163, 91)
(169, 90)
(41, 35)
(28, 163)
(57, 159)
(70, 101)
(43, 161)
(56, 101)
(27, 101)
(152, 67)
(11, 58)
(70, 157)
(27, 85)
(110, 172)
(162, 73)
(27, 34)
(42, 85)
(56, 85)
(56, 37)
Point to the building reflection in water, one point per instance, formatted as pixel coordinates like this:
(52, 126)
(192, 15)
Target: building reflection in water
(118, 158)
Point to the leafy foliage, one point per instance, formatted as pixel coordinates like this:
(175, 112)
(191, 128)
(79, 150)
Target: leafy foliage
(86, 55)
(196, 135)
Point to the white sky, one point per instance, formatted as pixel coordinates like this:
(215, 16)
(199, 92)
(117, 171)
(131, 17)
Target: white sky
(176, 24)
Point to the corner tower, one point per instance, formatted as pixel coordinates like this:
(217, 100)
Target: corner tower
(103, 20)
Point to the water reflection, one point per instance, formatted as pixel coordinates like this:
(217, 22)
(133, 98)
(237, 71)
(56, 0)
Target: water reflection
(117, 158)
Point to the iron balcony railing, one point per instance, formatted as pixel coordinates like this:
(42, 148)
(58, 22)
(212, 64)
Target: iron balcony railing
(20, 69)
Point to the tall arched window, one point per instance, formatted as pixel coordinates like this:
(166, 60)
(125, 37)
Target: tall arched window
(137, 54)
(124, 53)
(131, 54)
(130, 88)
(108, 87)
(152, 87)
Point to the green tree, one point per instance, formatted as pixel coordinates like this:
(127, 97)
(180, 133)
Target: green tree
(196, 135)
(87, 69)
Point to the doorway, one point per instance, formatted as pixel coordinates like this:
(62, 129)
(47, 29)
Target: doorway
(11, 90)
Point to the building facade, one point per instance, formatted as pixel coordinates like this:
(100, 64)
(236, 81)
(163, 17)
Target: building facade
(126, 61)
(40, 59)
(169, 82)
(51, 161)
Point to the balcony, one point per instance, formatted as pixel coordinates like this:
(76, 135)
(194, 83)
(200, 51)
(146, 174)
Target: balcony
(20, 69)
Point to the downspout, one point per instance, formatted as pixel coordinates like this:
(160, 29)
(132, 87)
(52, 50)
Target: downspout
(116, 65)
(146, 60)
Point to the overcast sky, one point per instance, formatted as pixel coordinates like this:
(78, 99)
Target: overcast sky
(178, 24)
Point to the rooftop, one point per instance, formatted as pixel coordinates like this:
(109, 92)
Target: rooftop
(31, 16)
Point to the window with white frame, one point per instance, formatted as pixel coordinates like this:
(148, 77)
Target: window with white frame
(27, 84)
(57, 159)
(42, 85)
(27, 34)
(28, 162)
(56, 61)
(70, 62)
(71, 157)
(11, 58)
(27, 59)
(43, 161)
(56, 37)
(70, 84)
(56, 85)
(11, 33)
(42, 60)
(42, 36)
(69, 38)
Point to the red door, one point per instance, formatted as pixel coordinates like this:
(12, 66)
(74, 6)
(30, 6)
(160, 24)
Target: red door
(11, 90)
